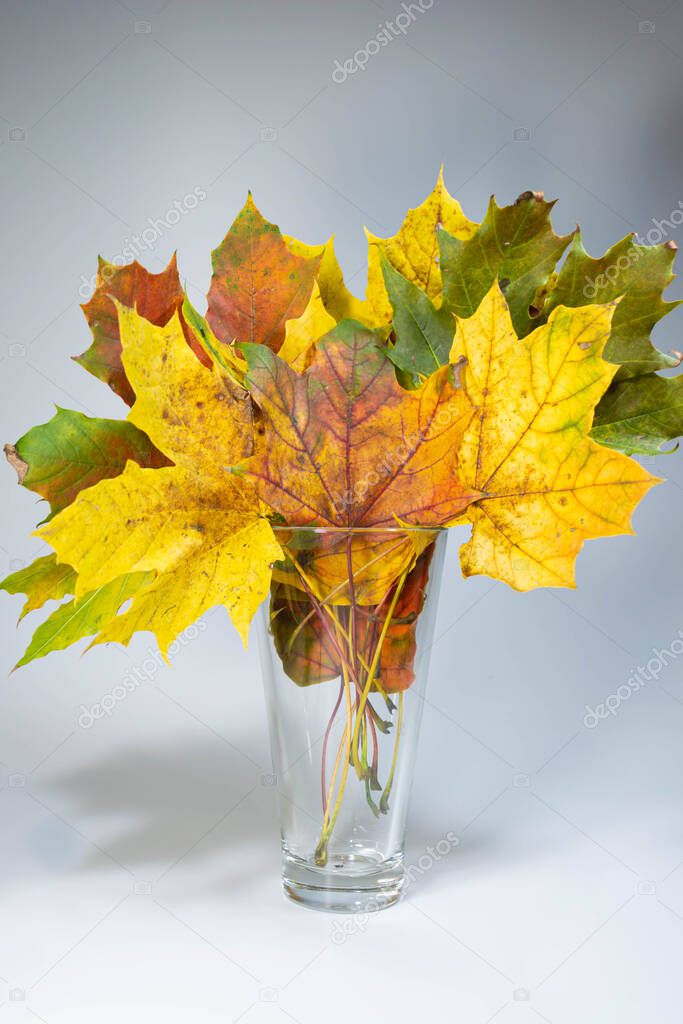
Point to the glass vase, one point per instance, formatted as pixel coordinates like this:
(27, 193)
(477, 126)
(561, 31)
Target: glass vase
(345, 640)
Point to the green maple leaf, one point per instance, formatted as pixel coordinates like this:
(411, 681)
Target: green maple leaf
(638, 275)
(424, 334)
(640, 415)
(515, 244)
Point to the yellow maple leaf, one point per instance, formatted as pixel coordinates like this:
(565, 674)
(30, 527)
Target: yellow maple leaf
(198, 526)
(414, 250)
(301, 334)
(336, 297)
(232, 569)
(548, 487)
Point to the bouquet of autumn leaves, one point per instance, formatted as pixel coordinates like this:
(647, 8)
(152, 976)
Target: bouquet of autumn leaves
(474, 384)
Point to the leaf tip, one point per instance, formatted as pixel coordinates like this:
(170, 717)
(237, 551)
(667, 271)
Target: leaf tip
(16, 462)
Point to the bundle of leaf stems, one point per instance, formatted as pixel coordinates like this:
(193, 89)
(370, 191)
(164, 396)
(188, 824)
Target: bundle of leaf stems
(359, 676)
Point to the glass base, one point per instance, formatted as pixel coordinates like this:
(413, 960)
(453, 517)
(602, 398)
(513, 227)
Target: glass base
(358, 883)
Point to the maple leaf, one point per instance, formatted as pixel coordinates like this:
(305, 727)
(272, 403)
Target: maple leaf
(345, 445)
(641, 411)
(302, 333)
(258, 283)
(43, 580)
(423, 333)
(195, 525)
(303, 644)
(71, 452)
(77, 619)
(399, 647)
(414, 250)
(638, 275)
(548, 487)
(155, 296)
(306, 648)
(337, 299)
(640, 415)
(514, 244)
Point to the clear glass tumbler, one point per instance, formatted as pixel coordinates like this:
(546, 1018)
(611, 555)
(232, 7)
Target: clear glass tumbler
(345, 641)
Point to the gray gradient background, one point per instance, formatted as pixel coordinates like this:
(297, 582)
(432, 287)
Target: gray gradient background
(564, 899)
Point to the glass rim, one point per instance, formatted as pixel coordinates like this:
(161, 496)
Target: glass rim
(343, 530)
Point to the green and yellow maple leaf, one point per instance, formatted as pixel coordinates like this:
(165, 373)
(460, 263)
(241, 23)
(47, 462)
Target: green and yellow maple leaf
(641, 410)
(547, 486)
(43, 580)
(79, 618)
(517, 245)
(193, 524)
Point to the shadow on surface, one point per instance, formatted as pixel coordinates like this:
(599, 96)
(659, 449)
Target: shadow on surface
(154, 808)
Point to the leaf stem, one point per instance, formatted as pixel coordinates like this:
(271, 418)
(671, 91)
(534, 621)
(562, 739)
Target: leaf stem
(326, 738)
(378, 651)
(384, 800)
(345, 745)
